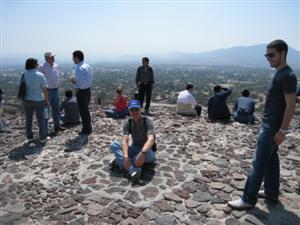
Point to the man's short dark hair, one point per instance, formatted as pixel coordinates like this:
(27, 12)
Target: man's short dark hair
(79, 55)
(217, 88)
(245, 93)
(279, 45)
(31, 63)
(146, 59)
(189, 86)
(69, 93)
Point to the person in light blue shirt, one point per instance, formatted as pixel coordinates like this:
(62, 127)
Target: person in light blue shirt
(83, 76)
(83, 82)
(244, 108)
(36, 98)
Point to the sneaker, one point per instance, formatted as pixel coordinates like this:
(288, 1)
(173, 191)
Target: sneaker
(135, 176)
(59, 129)
(262, 194)
(239, 204)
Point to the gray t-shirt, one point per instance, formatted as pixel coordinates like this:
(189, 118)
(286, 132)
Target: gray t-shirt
(139, 131)
(284, 82)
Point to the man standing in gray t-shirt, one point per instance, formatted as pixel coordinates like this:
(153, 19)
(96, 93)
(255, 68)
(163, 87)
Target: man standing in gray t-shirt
(131, 158)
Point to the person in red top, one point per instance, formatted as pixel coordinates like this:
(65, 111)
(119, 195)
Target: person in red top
(120, 104)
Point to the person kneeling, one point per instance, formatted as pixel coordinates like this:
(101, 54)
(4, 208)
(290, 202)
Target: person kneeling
(132, 158)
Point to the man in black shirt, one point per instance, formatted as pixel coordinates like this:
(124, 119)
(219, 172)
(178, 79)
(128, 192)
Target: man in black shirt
(144, 81)
(277, 115)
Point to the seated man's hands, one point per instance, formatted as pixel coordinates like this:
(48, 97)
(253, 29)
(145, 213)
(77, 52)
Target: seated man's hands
(126, 163)
(140, 160)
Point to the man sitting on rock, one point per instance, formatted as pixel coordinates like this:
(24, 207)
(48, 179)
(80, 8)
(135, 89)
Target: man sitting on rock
(244, 108)
(131, 158)
(186, 102)
(217, 106)
(69, 112)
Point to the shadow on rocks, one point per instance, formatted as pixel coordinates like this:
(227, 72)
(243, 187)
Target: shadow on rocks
(27, 149)
(148, 172)
(277, 215)
(76, 144)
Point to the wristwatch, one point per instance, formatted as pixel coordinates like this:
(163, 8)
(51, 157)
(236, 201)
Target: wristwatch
(143, 152)
(283, 131)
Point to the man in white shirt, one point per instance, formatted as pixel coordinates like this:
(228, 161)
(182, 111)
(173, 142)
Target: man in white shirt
(83, 82)
(51, 73)
(186, 102)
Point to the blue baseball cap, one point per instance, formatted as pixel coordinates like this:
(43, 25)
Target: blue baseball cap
(134, 104)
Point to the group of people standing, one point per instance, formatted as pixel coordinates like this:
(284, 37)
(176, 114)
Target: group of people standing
(42, 93)
(277, 115)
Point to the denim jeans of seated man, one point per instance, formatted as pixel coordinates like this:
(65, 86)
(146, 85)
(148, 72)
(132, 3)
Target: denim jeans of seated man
(113, 113)
(244, 118)
(133, 152)
(265, 166)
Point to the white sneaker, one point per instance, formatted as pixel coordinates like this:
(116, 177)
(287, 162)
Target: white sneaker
(239, 204)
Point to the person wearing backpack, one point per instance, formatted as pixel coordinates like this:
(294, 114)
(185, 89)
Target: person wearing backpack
(35, 99)
(132, 158)
(244, 108)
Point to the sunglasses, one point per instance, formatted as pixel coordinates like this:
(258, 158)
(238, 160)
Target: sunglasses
(270, 55)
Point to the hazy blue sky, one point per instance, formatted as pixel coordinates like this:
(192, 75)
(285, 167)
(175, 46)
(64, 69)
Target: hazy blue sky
(133, 27)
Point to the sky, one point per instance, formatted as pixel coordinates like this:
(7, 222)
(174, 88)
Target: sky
(116, 28)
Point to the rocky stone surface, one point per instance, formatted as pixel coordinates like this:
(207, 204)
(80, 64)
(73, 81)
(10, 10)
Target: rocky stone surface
(200, 166)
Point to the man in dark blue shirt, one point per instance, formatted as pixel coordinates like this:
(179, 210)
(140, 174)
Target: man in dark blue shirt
(277, 115)
(217, 106)
(244, 108)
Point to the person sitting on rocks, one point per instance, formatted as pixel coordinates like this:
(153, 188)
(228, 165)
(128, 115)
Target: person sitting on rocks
(69, 112)
(120, 104)
(132, 158)
(217, 106)
(244, 108)
(186, 102)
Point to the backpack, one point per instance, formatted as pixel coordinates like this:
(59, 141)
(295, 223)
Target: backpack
(22, 88)
(154, 146)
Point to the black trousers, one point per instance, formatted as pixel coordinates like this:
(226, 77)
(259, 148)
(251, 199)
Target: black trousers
(145, 89)
(198, 109)
(83, 100)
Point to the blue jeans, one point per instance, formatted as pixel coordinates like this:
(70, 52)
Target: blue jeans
(38, 107)
(243, 118)
(133, 152)
(53, 100)
(113, 113)
(265, 166)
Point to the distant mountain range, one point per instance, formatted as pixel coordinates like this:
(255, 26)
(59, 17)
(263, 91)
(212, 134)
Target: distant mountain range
(249, 56)
(237, 56)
